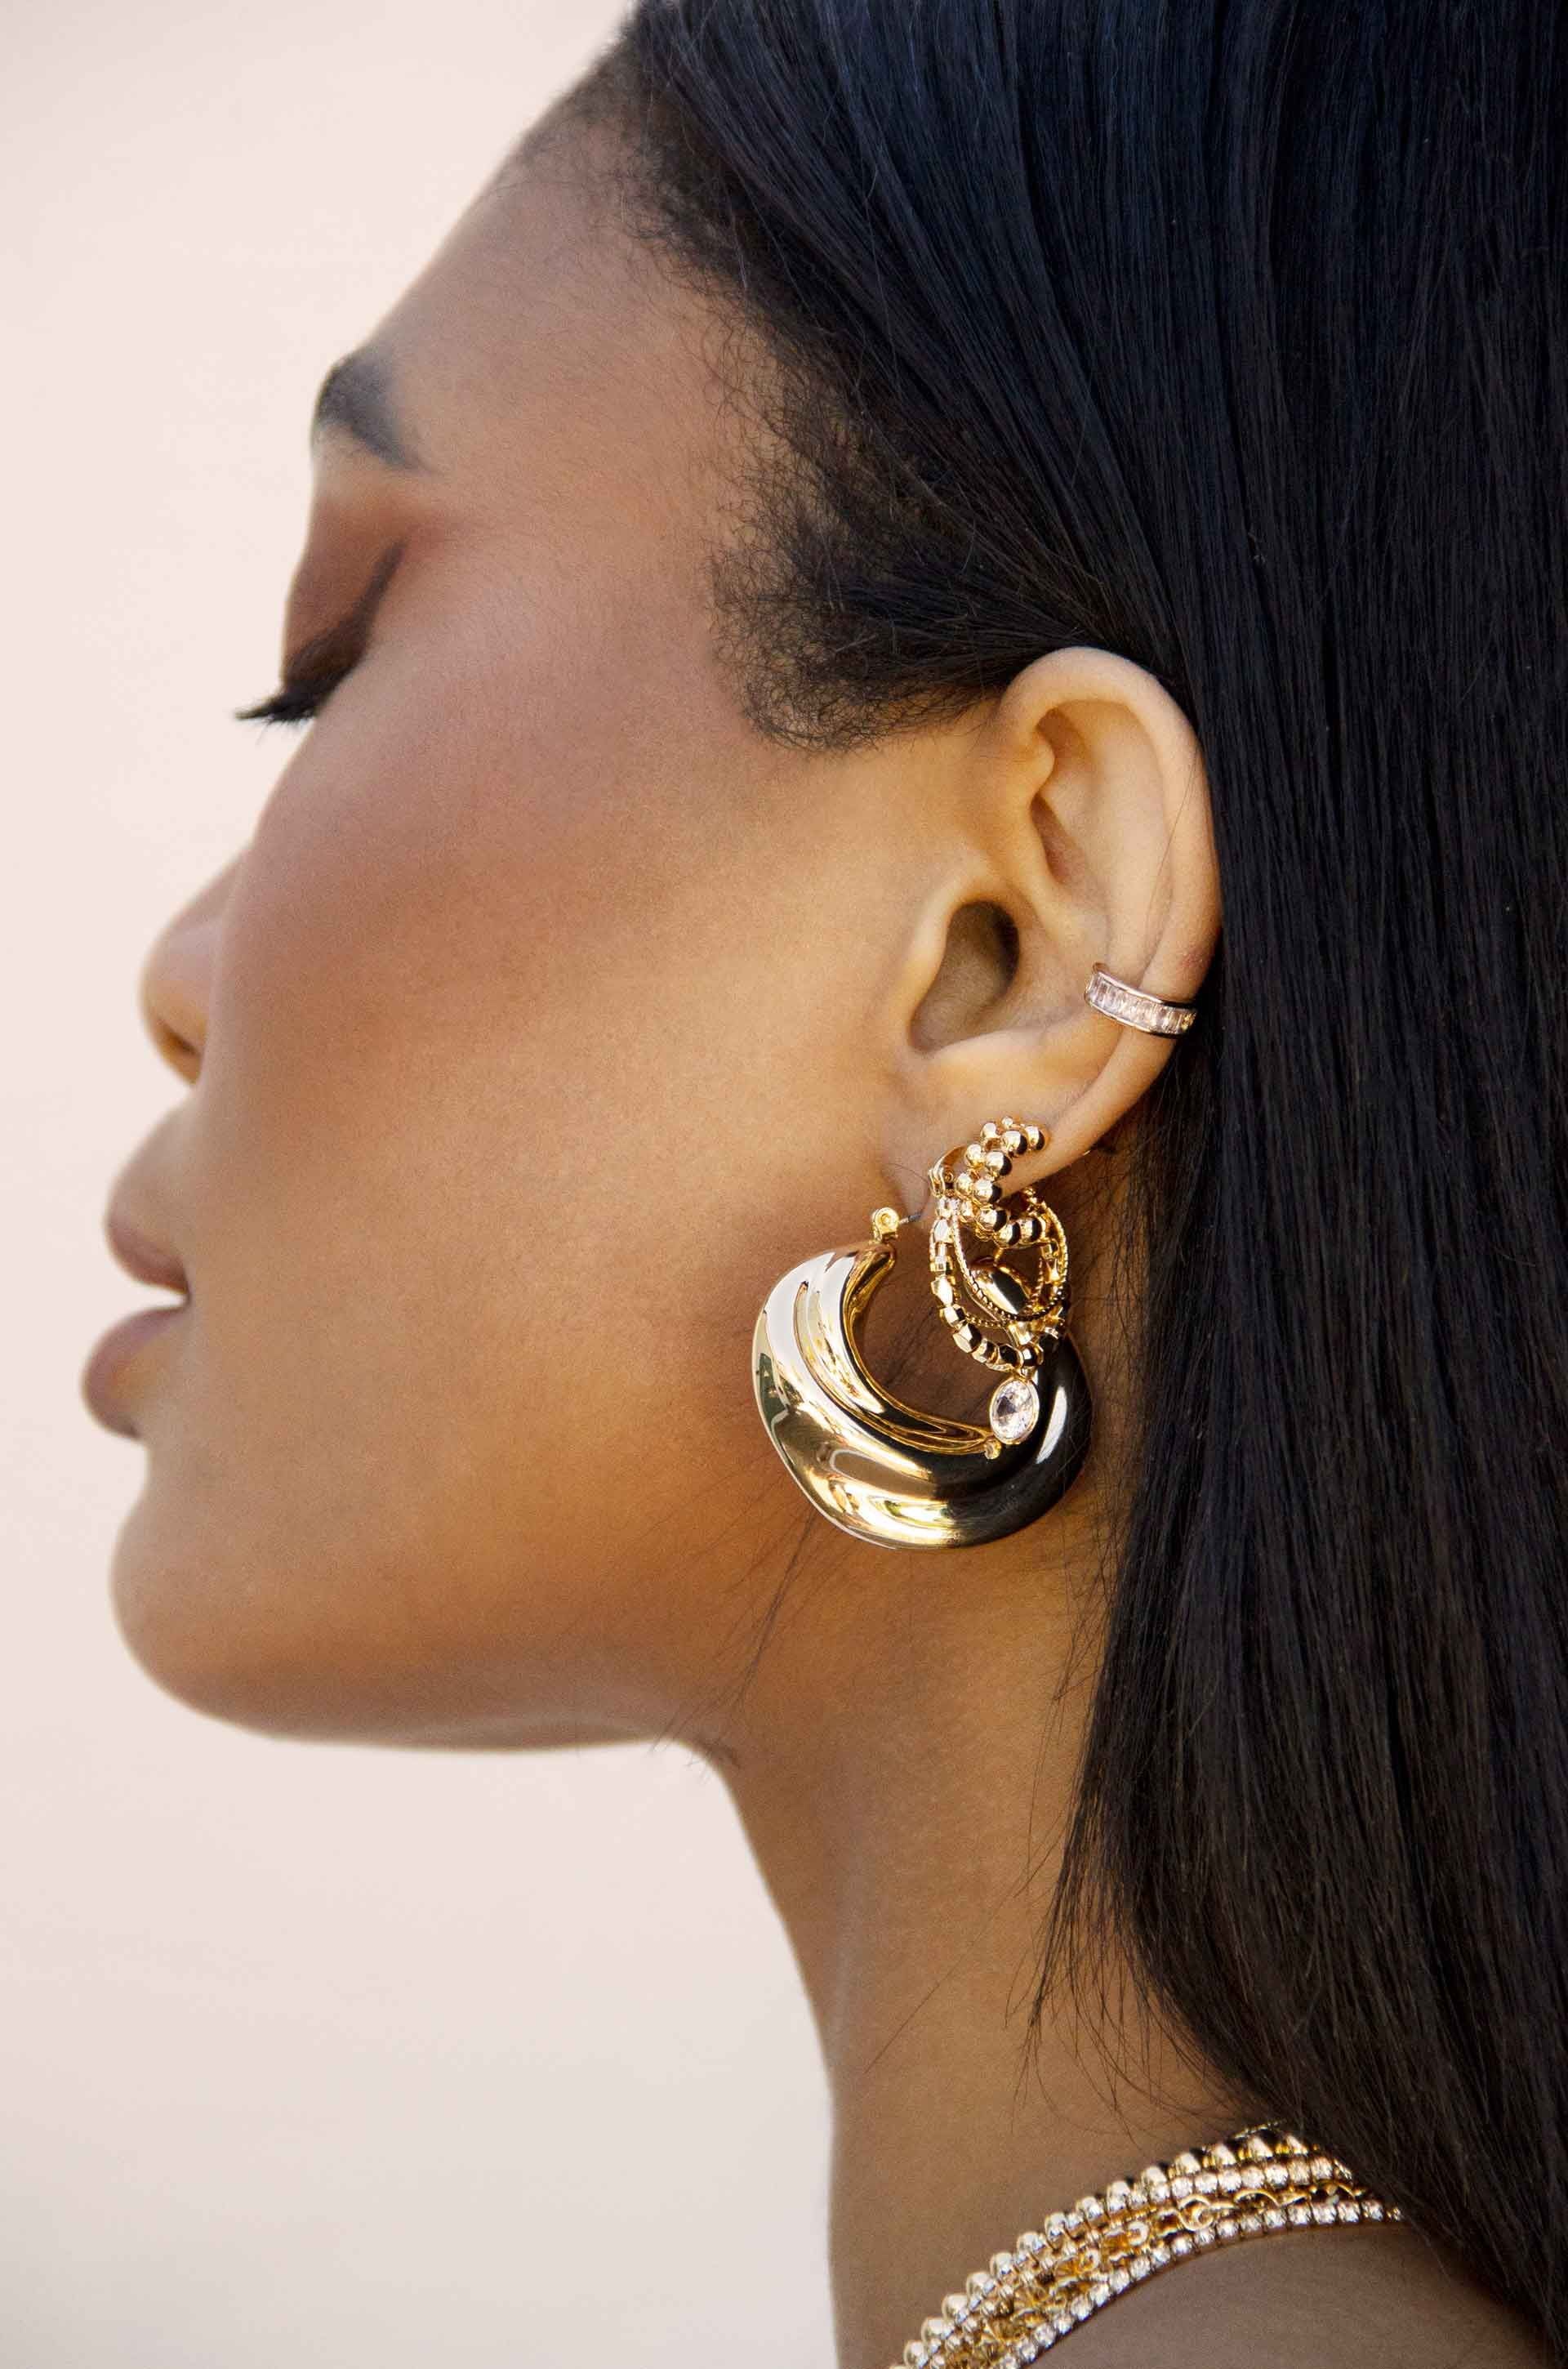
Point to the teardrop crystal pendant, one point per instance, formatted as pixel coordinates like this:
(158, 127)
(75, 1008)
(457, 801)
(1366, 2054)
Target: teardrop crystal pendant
(1015, 1410)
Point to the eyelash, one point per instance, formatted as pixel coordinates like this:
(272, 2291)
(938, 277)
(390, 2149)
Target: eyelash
(327, 658)
(294, 704)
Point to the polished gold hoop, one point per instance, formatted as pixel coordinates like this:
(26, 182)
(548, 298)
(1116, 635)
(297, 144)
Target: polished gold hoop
(896, 1474)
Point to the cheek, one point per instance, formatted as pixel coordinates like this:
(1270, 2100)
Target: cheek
(465, 1388)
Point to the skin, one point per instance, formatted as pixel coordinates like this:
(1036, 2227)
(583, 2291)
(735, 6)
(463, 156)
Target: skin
(548, 1016)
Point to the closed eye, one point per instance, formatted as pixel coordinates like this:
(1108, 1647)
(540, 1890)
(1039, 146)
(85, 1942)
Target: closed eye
(294, 702)
(316, 668)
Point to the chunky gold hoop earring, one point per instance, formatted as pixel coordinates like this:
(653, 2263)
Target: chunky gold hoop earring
(896, 1474)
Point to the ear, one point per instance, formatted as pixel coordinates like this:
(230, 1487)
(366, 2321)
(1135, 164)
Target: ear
(1082, 829)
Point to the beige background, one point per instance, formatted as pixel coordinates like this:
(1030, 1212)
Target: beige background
(306, 2055)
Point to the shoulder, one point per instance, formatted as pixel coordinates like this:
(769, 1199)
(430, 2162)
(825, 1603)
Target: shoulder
(1380, 2297)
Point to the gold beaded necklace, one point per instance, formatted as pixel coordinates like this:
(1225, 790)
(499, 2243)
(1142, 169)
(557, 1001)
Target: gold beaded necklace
(1260, 2180)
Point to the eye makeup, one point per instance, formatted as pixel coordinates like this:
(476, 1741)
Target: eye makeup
(316, 668)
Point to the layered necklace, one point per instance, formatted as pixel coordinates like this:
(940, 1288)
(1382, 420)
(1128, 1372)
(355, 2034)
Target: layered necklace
(1259, 2180)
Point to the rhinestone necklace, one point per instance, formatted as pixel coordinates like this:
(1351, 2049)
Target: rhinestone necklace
(1261, 2179)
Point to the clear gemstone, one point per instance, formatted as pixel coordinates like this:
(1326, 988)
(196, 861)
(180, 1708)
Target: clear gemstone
(1014, 1410)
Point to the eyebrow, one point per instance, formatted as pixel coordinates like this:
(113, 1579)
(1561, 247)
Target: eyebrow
(356, 397)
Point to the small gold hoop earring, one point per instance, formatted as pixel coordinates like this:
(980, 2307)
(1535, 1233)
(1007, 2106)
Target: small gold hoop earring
(896, 1474)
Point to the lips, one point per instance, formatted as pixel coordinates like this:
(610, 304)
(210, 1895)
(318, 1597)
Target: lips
(142, 1257)
(106, 1379)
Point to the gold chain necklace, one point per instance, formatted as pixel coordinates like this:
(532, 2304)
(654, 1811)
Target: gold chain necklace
(1260, 2180)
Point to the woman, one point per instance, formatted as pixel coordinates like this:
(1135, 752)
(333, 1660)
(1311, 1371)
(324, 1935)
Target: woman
(883, 521)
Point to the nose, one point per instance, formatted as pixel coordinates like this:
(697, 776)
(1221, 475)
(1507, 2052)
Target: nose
(176, 985)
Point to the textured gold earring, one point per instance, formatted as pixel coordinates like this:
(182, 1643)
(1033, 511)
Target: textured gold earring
(896, 1474)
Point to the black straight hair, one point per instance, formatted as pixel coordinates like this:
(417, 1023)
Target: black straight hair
(1228, 335)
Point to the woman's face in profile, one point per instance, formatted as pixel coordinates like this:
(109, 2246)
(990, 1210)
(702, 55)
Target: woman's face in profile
(474, 1185)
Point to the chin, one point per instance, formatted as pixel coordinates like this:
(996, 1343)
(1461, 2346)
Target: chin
(221, 1635)
(170, 1619)
(215, 1630)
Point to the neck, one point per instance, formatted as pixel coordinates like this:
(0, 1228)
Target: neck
(903, 1756)
(903, 1768)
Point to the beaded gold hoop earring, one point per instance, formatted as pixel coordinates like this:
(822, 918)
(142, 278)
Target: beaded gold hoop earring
(896, 1474)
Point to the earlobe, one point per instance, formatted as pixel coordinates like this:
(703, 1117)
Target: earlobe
(1087, 802)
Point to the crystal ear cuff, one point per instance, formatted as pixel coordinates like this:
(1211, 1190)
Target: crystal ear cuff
(1135, 1007)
